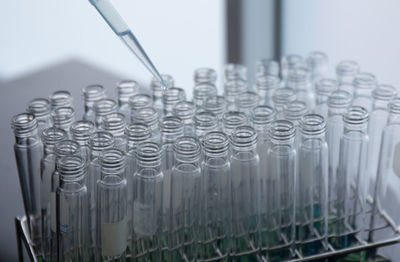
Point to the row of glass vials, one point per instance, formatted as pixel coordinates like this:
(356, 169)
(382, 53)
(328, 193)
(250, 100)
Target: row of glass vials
(303, 162)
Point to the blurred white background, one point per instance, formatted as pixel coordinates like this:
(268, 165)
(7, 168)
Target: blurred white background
(178, 35)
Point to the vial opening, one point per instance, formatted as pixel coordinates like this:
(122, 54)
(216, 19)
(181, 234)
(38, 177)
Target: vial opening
(384, 92)
(267, 82)
(105, 106)
(53, 135)
(356, 115)
(215, 142)
(93, 93)
(312, 124)
(140, 101)
(347, 68)
(339, 99)
(101, 140)
(23, 124)
(39, 107)
(282, 130)
(326, 86)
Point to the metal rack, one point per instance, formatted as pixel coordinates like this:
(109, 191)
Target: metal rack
(388, 227)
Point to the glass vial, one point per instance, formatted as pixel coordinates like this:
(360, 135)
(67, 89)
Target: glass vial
(235, 72)
(281, 97)
(201, 92)
(185, 110)
(112, 227)
(185, 200)
(157, 91)
(81, 131)
(115, 124)
(245, 191)
(63, 117)
(265, 86)
(267, 67)
(233, 88)
(317, 63)
(147, 203)
(204, 122)
(102, 108)
(246, 101)
(233, 119)
(140, 101)
(50, 137)
(72, 210)
(312, 186)
(364, 84)
(300, 80)
(92, 94)
(148, 116)
(41, 109)
(215, 105)
(290, 62)
(323, 88)
(280, 202)
(126, 89)
(28, 153)
(171, 97)
(205, 75)
(293, 112)
(61, 98)
(350, 204)
(346, 71)
(215, 216)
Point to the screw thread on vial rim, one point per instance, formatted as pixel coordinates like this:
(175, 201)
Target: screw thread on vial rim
(184, 110)
(235, 72)
(215, 105)
(156, 85)
(61, 98)
(262, 115)
(105, 106)
(234, 87)
(137, 133)
(312, 124)
(215, 143)
(347, 68)
(66, 148)
(187, 149)
(140, 101)
(356, 118)
(205, 75)
(52, 135)
(283, 96)
(364, 81)
(71, 168)
(299, 78)
(63, 116)
(267, 67)
(99, 141)
(267, 82)
(325, 86)
(246, 100)
(282, 132)
(340, 99)
(82, 130)
(317, 61)
(203, 90)
(112, 162)
(24, 124)
(295, 110)
(171, 128)
(114, 123)
(149, 154)
(39, 107)
(394, 106)
(172, 96)
(243, 138)
(126, 89)
(205, 121)
(147, 115)
(233, 119)
(93, 93)
(384, 93)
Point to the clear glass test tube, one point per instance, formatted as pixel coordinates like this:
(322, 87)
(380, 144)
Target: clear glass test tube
(92, 94)
(235, 72)
(150, 117)
(185, 110)
(158, 90)
(346, 70)
(112, 223)
(204, 122)
(61, 98)
(317, 62)
(28, 151)
(205, 75)
(102, 108)
(171, 97)
(126, 89)
(41, 109)
(265, 86)
(300, 80)
(232, 119)
(323, 88)
(267, 67)
(63, 117)
(281, 97)
(81, 131)
(290, 62)
(202, 91)
(215, 105)
(364, 84)
(115, 124)
(185, 200)
(233, 88)
(215, 216)
(246, 101)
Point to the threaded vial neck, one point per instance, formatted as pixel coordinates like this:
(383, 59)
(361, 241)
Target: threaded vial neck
(347, 68)
(203, 90)
(282, 132)
(63, 117)
(61, 98)
(283, 96)
(312, 125)
(215, 105)
(205, 75)
(148, 154)
(326, 86)
(299, 78)
(234, 87)
(356, 118)
(184, 110)
(112, 162)
(235, 71)
(205, 122)
(93, 93)
(262, 116)
(365, 81)
(156, 85)
(317, 62)
(71, 168)
(384, 93)
(173, 95)
(82, 130)
(99, 141)
(267, 67)
(295, 110)
(267, 82)
(137, 133)
(187, 149)
(39, 107)
(246, 101)
(24, 125)
(114, 123)
(126, 89)
(52, 135)
(105, 106)
(339, 99)
(147, 115)
(215, 144)
(140, 101)
(233, 119)
(243, 138)
(171, 128)
(66, 148)
(394, 106)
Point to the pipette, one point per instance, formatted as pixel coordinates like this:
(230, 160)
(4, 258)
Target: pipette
(118, 25)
